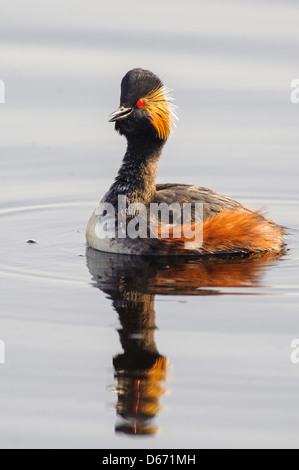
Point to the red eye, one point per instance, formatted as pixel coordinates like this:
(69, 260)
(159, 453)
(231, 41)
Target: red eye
(140, 103)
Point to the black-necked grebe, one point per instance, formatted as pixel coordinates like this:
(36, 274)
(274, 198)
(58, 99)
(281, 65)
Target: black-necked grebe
(145, 117)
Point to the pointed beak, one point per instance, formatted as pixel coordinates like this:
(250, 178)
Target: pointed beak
(120, 113)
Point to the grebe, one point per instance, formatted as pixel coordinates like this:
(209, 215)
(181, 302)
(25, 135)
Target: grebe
(145, 117)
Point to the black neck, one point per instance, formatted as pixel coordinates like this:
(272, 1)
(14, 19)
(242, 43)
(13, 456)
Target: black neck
(137, 175)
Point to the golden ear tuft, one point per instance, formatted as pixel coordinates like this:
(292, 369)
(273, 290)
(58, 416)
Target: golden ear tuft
(162, 111)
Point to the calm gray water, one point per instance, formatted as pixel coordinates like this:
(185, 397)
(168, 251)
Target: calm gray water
(216, 368)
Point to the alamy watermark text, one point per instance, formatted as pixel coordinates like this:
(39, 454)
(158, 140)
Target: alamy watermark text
(135, 220)
(295, 351)
(295, 93)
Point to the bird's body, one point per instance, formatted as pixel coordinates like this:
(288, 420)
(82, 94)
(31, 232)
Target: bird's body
(226, 227)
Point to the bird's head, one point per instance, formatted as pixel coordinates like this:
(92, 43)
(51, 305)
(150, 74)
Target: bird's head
(146, 107)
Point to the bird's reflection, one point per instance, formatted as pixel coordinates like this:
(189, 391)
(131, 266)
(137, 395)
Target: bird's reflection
(131, 282)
